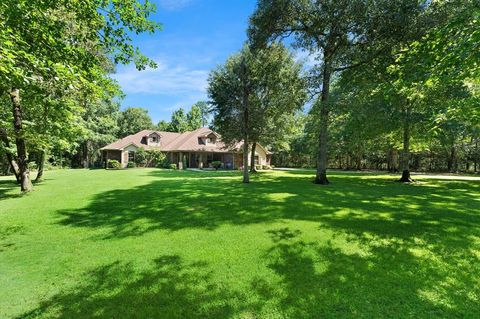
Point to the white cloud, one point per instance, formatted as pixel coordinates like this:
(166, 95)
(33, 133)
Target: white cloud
(165, 79)
(174, 4)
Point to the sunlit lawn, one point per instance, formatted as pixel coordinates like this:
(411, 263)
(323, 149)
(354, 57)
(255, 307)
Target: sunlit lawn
(147, 243)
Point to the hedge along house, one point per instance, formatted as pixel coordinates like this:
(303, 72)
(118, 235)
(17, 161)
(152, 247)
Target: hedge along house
(195, 149)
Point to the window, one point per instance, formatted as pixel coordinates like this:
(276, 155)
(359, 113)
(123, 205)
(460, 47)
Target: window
(210, 140)
(154, 139)
(256, 160)
(131, 156)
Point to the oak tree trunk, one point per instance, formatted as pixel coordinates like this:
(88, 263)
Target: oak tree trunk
(246, 177)
(321, 176)
(253, 168)
(40, 164)
(406, 178)
(25, 182)
(10, 157)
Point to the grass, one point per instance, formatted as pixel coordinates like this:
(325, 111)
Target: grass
(146, 243)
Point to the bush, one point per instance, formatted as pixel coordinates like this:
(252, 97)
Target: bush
(258, 167)
(155, 157)
(217, 164)
(131, 165)
(172, 166)
(166, 163)
(141, 157)
(114, 164)
(267, 167)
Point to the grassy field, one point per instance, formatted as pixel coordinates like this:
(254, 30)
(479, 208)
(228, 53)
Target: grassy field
(146, 243)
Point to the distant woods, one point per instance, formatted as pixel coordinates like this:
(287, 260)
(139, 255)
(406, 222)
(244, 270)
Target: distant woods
(134, 119)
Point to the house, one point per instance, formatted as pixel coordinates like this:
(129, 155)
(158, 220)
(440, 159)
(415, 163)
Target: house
(198, 149)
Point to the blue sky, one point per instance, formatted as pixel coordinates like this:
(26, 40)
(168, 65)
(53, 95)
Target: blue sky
(197, 35)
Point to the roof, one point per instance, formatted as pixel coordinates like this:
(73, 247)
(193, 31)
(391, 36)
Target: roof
(169, 142)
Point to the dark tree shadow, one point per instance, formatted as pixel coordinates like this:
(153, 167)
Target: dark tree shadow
(171, 288)
(387, 280)
(7, 189)
(205, 201)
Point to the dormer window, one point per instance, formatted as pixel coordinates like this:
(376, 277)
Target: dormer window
(210, 140)
(153, 139)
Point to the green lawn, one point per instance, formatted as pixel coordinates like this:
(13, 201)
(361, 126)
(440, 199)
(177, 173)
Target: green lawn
(147, 243)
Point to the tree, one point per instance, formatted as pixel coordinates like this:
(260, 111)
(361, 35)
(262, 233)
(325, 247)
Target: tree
(205, 112)
(163, 125)
(132, 120)
(253, 95)
(179, 122)
(63, 42)
(411, 74)
(194, 118)
(341, 34)
(101, 113)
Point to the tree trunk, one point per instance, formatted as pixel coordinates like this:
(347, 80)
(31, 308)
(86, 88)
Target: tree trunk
(451, 163)
(10, 156)
(246, 177)
(253, 168)
(359, 162)
(25, 182)
(476, 158)
(406, 148)
(40, 164)
(321, 176)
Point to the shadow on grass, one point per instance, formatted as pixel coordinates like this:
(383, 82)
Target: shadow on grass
(170, 288)
(206, 201)
(7, 189)
(310, 280)
(386, 280)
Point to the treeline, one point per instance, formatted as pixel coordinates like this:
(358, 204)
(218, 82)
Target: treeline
(392, 85)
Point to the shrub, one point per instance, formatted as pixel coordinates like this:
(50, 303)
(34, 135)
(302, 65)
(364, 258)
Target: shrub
(141, 157)
(172, 166)
(217, 164)
(155, 157)
(114, 164)
(131, 165)
(166, 163)
(258, 167)
(267, 167)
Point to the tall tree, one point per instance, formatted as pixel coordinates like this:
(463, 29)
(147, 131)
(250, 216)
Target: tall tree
(205, 112)
(99, 120)
(132, 120)
(63, 41)
(163, 125)
(340, 34)
(253, 95)
(179, 122)
(194, 118)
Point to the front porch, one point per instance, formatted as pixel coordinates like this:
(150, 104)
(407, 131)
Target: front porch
(203, 159)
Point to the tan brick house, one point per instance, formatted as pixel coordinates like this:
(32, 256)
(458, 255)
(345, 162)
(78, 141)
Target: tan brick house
(198, 148)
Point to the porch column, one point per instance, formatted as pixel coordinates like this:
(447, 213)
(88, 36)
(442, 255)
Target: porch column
(180, 161)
